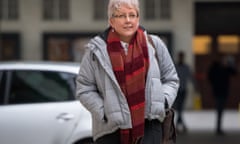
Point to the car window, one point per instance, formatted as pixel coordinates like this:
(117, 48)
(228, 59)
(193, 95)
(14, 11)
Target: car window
(2, 87)
(41, 86)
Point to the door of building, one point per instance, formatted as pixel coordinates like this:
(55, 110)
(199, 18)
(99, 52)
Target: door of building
(207, 48)
(217, 34)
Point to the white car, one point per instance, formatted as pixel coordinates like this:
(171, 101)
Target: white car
(38, 105)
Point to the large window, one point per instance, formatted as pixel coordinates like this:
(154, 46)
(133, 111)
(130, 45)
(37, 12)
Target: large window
(9, 46)
(202, 45)
(56, 9)
(157, 9)
(9, 9)
(228, 44)
(100, 9)
(65, 46)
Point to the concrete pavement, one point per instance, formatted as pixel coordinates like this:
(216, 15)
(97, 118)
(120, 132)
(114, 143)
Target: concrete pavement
(201, 128)
(205, 120)
(208, 137)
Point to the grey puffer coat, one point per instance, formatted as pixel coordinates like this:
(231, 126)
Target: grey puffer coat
(99, 91)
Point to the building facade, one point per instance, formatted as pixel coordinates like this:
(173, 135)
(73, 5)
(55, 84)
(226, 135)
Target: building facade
(57, 30)
(36, 21)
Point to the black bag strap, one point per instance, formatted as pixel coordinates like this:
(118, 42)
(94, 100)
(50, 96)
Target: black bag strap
(153, 45)
(151, 41)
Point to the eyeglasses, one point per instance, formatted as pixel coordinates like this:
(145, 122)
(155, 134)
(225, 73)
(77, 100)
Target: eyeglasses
(124, 16)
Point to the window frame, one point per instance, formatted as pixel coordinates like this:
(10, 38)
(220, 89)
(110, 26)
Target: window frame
(158, 9)
(100, 12)
(9, 9)
(55, 10)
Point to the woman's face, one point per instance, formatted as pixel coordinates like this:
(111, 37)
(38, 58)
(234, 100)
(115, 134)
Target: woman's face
(125, 22)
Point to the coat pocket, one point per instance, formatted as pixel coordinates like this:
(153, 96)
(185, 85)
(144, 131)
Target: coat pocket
(157, 98)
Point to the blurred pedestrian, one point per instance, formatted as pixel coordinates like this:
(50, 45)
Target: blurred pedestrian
(219, 74)
(122, 83)
(185, 76)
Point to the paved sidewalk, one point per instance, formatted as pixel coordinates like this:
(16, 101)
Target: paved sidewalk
(207, 137)
(205, 120)
(201, 126)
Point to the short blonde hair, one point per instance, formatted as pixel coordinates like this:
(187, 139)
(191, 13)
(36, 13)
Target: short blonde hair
(113, 5)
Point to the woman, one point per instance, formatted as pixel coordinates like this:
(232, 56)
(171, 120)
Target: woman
(121, 82)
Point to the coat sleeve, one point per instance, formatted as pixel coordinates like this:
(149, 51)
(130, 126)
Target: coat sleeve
(169, 75)
(86, 89)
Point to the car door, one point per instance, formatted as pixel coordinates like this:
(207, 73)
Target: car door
(39, 108)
